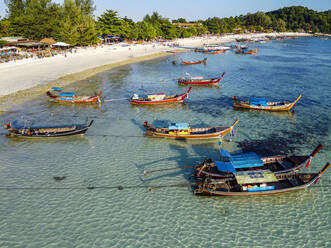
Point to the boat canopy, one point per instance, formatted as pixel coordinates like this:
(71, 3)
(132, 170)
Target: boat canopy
(56, 88)
(242, 160)
(258, 102)
(69, 94)
(226, 167)
(253, 177)
(179, 126)
(28, 125)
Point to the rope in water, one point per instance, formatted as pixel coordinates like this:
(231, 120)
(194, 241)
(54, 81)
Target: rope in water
(119, 187)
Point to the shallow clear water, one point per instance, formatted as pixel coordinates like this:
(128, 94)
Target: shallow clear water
(115, 152)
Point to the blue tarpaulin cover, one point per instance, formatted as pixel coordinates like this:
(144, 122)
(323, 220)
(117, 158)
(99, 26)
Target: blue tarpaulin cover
(258, 101)
(242, 160)
(178, 126)
(69, 94)
(56, 88)
(265, 188)
(225, 166)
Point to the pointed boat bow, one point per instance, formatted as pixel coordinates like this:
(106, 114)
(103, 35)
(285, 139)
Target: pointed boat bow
(235, 123)
(322, 171)
(293, 104)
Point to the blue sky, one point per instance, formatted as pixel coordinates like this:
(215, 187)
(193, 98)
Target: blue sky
(195, 9)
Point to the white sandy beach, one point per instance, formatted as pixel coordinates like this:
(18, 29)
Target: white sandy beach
(28, 73)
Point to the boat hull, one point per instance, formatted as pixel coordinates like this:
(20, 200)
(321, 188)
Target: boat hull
(47, 132)
(50, 135)
(168, 100)
(191, 136)
(74, 100)
(200, 82)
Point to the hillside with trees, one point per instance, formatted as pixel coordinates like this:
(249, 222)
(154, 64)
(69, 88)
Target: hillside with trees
(73, 22)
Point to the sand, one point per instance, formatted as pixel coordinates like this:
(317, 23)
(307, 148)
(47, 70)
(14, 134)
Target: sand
(25, 79)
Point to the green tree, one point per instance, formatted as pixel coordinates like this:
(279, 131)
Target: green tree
(86, 6)
(4, 27)
(110, 23)
(179, 20)
(146, 31)
(280, 25)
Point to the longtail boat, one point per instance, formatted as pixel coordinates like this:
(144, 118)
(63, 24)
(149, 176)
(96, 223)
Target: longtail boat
(184, 131)
(28, 131)
(253, 183)
(71, 97)
(247, 51)
(200, 81)
(264, 104)
(230, 164)
(159, 98)
(204, 61)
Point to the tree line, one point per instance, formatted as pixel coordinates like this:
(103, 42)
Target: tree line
(73, 22)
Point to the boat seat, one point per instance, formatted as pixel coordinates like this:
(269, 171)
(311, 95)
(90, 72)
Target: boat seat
(285, 164)
(294, 182)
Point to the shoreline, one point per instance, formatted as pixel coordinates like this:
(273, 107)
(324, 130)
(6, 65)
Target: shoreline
(38, 75)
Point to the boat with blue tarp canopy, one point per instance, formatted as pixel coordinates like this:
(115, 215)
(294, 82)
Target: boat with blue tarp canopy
(230, 164)
(71, 97)
(184, 131)
(250, 183)
(264, 104)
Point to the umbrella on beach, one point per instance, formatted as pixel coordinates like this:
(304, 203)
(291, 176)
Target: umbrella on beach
(61, 44)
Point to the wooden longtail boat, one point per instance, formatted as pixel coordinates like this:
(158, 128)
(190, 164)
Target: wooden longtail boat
(235, 163)
(194, 62)
(46, 131)
(252, 183)
(159, 98)
(247, 51)
(71, 97)
(199, 81)
(264, 104)
(183, 131)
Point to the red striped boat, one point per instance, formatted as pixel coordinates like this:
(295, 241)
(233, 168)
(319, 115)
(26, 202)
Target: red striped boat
(199, 81)
(70, 97)
(194, 62)
(159, 98)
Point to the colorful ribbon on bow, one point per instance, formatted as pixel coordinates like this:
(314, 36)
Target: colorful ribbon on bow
(220, 140)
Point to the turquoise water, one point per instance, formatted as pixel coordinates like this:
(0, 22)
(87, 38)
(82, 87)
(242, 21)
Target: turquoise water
(42, 212)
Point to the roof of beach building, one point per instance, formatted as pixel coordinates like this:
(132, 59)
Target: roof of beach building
(187, 25)
(49, 41)
(14, 38)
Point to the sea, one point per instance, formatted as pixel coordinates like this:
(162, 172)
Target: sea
(106, 200)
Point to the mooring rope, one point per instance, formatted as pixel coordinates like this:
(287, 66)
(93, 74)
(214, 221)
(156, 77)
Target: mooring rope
(119, 187)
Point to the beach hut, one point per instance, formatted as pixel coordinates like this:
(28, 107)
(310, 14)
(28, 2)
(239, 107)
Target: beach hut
(49, 41)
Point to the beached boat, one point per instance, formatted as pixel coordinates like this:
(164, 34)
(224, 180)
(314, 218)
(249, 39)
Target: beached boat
(71, 97)
(159, 98)
(184, 131)
(200, 81)
(28, 131)
(247, 51)
(264, 104)
(252, 183)
(235, 163)
(204, 61)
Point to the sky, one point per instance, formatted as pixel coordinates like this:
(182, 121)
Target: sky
(194, 9)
